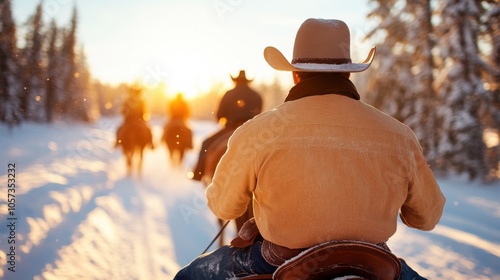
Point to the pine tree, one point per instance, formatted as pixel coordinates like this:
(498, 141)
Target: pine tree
(72, 103)
(385, 89)
(491, 109)
(9, 75)
(53, 83)
(33, 69)
(84, 88)
(423, 117)
(401, 84)
(459, 84)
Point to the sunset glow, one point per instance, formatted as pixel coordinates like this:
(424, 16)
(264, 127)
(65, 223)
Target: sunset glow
(187, 75)
(188, 45)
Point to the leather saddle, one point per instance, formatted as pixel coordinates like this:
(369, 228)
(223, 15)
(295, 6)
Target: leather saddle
(338, 259)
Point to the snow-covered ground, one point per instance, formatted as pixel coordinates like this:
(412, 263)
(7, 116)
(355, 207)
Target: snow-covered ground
(76, 215)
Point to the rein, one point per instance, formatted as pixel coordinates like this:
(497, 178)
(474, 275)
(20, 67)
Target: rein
(217, 236)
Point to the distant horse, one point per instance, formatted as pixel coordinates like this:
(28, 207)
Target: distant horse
(178, 137)
(133, 137)
(214, 153)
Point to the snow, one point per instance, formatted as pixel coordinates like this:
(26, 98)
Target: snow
(350, 67)
(80, 217)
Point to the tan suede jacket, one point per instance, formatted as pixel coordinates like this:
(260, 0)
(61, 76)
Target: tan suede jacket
(326, 168)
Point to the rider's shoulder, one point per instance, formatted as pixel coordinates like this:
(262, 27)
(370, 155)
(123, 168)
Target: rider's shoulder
(263, 123)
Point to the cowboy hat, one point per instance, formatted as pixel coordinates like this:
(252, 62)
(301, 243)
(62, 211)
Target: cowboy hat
(321, 45)
(241, 78)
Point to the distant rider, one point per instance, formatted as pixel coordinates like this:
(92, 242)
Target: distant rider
(237, 106)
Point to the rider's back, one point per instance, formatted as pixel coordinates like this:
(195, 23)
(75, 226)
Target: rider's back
(333, 164)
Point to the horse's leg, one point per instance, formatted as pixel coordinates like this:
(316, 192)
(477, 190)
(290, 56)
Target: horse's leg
(181, 156)
(175, 157)
(139, 167)
(171, 156)
(171, 152)
(128, 160)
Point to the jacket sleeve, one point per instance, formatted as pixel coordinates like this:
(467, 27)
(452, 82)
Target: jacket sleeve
(425, 202)
(234, 179)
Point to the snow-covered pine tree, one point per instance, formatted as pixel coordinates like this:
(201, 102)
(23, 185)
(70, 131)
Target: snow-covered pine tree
(33, 69)
(72, 104)
(53, 83)
(422, 118)
(385, 89)
(401, 83)
(459, 84)
(85, 89)
(10, 85)
(491, 110)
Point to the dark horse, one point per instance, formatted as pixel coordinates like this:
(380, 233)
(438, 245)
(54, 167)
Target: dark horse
(213, 155)
(178, 137)
(133, 137)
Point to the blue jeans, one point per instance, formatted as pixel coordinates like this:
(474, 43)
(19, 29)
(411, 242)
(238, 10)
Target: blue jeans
(229, 262)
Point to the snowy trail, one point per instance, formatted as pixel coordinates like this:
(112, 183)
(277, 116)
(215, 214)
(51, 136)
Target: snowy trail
(80, 217)
(466, 242)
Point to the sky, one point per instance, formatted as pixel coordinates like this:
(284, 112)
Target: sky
(189, 45)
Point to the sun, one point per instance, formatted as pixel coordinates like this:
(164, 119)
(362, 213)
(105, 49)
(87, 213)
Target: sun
(187, 74)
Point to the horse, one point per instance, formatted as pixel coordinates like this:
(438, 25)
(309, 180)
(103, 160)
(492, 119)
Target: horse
(178, 137)
(214, 153)
(134, 137)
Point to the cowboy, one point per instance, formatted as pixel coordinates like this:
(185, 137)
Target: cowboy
(133, 108)
(322, 166)
(178, 109)
(236, 107)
